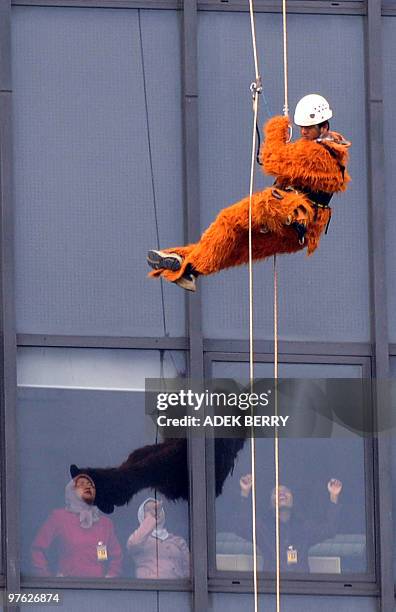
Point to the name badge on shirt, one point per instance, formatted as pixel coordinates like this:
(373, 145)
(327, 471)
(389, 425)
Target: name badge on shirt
(292, 556)
(101, 551)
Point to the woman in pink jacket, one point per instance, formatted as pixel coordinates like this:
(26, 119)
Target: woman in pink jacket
(156, 552)
(85, 541)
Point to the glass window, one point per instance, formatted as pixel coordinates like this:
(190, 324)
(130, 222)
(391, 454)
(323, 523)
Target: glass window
(389, 91)
(96, 170)
(322, 493)
(309, 285)
(86, 407)
(393, 441)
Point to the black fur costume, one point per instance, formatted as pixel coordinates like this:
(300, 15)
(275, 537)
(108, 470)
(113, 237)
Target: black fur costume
(162, 466)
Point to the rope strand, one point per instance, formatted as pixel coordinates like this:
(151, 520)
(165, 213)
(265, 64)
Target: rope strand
(251, 354)
(276, 436)
(256, 90)
(276, 440)
(285, 64)
(253, 29)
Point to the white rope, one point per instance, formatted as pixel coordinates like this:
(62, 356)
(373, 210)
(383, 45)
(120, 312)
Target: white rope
(276, 440)
(276, 436)
(256, 90)
(253, 30)
(251, 370)
(251, 356)
(285, 66)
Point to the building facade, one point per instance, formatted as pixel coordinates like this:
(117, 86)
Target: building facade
(124, 126)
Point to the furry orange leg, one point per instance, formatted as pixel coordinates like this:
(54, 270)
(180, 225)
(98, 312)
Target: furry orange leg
(225, 243)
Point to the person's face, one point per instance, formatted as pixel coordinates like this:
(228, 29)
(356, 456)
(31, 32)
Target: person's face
(310, 132)
(285, 497)
(152, 508)
(85, 489)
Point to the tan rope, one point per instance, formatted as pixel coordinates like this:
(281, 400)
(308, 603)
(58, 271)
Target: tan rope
(285, 66)
(256, 90)
(276, 440)
(251, 358)
(253, 30)
(276, 436)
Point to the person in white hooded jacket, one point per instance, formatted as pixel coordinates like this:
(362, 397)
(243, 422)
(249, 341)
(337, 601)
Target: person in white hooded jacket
(156, 552)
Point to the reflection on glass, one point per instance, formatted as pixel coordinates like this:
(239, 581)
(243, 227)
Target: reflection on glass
(393, 446)
(155, 551)
(298, 531)
(322, 497)
(322, 516)
(71, 423)
(77, 540)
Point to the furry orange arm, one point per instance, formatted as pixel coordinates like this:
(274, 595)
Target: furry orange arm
(303, 163)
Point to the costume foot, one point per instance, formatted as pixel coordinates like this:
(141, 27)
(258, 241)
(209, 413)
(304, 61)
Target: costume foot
(188, 282)
(160, 259)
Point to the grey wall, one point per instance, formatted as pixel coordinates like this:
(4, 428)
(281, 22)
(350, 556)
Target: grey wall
(98, 158)
(292, 603)
(83, 186)
(102, 601)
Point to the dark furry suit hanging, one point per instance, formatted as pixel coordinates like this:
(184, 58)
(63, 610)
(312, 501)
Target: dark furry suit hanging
(163, 467)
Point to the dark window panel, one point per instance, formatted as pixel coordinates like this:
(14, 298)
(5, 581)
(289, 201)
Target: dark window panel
(89, 163)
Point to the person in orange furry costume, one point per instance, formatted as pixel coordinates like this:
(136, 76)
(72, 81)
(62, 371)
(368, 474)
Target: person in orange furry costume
(287, 217)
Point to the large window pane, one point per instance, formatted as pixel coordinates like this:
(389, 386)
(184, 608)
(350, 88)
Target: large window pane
(86, 407)
(322, 497)
(333, 283)
(92, 168)
(389, 85)
(393, 440)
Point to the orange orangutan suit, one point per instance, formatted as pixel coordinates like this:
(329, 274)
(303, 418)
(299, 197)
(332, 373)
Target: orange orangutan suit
(307, 173)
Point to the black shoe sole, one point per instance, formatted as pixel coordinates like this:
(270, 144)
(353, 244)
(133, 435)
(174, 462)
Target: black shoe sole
(158, 261)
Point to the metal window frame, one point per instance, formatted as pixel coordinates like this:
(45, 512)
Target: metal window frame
(197, 470)
(9, 459)
(322, 7)
(347, 584)
(378, 291)
(165, 342)
(121, 583)
(297, 347)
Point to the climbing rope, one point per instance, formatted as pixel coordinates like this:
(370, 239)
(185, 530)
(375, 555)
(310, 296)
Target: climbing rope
(255, 93)
(276, 435)
(256, 89)
(276, 439)
(285, 66)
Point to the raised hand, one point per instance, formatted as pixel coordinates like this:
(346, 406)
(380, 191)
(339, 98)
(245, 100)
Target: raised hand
(245, 483)
(334, 488)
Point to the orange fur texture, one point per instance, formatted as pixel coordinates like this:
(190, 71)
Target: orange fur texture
(304, 165)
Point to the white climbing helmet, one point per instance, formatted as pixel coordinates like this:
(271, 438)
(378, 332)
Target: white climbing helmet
(311, 110)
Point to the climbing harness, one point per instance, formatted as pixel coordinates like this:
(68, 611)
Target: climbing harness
(317, 199)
